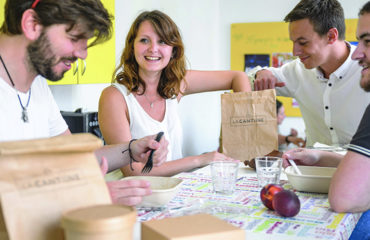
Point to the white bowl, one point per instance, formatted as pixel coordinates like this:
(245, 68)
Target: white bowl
(313, 179)
(163, 190)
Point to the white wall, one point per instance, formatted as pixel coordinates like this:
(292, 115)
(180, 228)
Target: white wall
(205, 27)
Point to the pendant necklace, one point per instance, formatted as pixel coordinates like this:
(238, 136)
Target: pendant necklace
(24, 108)
(151, 104)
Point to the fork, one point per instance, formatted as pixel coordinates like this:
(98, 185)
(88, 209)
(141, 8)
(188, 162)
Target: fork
(149, 164)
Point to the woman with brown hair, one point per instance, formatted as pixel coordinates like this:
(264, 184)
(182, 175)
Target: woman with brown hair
(148, 85)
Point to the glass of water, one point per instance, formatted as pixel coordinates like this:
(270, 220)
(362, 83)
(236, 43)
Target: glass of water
(268, 170)
(224, 175)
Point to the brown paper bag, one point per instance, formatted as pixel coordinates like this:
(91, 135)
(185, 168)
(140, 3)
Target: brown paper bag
(40, 179)
(249, 125)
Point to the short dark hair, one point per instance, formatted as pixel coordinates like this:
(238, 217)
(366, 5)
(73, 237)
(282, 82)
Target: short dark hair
(91, 13)
(365, 9)
(323, 14)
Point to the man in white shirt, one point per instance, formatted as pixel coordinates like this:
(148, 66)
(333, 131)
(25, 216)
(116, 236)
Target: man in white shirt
(349, 187)
(324, 78)
(38, 40)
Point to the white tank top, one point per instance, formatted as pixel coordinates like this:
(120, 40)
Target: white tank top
(141, 124)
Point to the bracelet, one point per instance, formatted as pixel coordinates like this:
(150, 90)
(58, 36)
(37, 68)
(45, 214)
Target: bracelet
(132, 159)
(286, 139)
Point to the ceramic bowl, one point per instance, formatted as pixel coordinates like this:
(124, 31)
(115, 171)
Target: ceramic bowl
(313, 179)
(163, 190)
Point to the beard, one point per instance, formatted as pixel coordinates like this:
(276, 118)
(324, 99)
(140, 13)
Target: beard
(42, 58)
(365, 83)
(365, 75)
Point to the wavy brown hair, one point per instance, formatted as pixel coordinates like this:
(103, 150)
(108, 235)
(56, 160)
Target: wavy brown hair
(127, 72)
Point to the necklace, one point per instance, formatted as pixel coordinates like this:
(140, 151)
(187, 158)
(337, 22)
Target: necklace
(24, 108)
(151, 103)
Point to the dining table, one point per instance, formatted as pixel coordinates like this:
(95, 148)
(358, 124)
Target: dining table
(244, 209)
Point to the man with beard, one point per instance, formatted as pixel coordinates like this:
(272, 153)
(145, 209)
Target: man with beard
(349, 189)
(41, 39)
(324, 78)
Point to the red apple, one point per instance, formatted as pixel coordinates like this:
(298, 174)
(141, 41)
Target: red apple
(267, 194)
(286, 203)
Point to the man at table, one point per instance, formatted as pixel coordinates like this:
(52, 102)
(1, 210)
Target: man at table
(41, 39)
(349, 189)
(324, 78)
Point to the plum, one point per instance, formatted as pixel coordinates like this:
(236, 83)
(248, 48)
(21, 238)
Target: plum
(286, 203)
(267, 193)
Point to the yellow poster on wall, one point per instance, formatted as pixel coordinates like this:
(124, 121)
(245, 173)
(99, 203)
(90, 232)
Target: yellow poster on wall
(268, 44)
(2, 7)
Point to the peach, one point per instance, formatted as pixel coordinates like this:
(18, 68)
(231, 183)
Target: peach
(267, 194)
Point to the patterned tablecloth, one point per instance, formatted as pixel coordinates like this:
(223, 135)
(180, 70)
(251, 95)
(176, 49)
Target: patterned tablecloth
(245, 210)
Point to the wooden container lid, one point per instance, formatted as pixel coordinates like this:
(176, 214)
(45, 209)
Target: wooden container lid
(99, 218)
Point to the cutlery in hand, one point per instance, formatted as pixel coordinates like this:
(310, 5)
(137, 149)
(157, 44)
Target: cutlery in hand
(149, 164)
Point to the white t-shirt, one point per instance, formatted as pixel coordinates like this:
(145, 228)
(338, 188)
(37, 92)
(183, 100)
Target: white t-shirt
(44, 116)
(141, 124)
(331, 108)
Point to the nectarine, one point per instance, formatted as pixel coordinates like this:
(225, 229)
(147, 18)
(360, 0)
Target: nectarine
(267, 193)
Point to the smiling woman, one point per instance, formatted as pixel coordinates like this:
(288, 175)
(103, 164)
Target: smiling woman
(151, 53)
(148, 85)
(153, 29)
